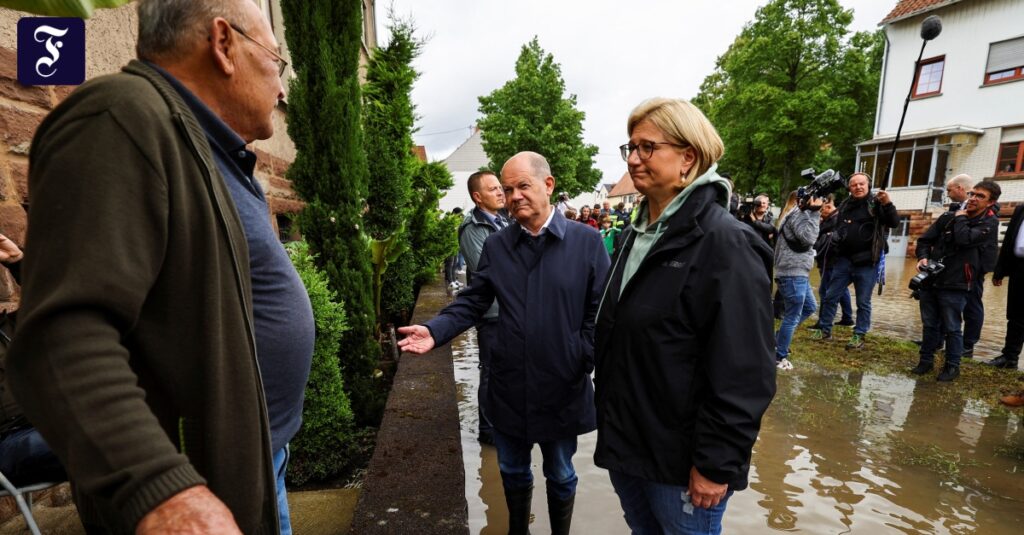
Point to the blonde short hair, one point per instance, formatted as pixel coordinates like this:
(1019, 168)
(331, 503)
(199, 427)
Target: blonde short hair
(684, 124)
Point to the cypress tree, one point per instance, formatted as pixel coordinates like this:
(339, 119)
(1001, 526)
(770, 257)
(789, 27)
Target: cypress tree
(388, 118)
(330, 174)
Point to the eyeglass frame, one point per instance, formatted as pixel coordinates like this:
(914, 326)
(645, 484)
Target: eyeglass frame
(283, 62)
(629, 148)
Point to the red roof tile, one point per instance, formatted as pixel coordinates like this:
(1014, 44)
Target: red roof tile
(624, 187)
(908, 8)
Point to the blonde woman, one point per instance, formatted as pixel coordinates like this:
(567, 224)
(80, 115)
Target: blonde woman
(684, 367)
(794, 258)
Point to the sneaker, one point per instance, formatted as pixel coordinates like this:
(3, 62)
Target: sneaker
(1015, 400)
(968, 353)
(821, 335)
(846, 322)
(784, 364)
(814, 327)
(856, 341)
(922, 368)
(948, 373)
(453, 285)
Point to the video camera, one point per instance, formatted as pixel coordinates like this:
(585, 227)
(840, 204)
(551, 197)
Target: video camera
(920, 280)
(821, 185)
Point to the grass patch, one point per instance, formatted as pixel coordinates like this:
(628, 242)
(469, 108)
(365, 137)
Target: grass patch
(947, 464)
(888, 356)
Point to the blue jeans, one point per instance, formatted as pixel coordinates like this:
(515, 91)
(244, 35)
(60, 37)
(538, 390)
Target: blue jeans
(514, 458)
(844, 297)
(800, 305)
(25, 458)
(974, 313)
(280, 466)
(942, 311)
(655, 508)
(863, 279)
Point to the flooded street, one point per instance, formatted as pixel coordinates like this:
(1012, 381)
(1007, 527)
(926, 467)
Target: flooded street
(855, 453)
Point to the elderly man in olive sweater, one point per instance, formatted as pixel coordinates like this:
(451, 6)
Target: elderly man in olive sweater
(154, 281)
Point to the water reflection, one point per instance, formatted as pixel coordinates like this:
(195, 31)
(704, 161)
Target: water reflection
(856, 453)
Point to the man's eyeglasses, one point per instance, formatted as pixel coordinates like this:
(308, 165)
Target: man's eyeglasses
(646, 148)
(282, 63)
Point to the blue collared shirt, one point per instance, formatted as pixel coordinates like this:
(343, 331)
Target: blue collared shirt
(282, 314)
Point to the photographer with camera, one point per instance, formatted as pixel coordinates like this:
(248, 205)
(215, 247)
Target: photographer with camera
(950, 256)
(859, 239)
(825, 256)
(757, 216)
(794, 258)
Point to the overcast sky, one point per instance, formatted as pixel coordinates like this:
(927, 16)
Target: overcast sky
(613, 55)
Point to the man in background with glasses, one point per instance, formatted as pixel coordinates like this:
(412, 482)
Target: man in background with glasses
(958, 241)
(165, 339)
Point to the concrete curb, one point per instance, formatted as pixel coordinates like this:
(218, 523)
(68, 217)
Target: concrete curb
(416, 480)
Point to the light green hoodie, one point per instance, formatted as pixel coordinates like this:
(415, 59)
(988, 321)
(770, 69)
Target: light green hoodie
(647, 235)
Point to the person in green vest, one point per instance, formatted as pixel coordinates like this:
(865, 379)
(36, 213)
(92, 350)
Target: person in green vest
(609, 233)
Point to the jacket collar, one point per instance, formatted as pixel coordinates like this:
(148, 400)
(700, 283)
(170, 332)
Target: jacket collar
(480, 217)
(556, 229)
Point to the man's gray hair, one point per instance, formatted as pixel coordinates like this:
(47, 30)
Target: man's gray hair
(963, 180)
(168, 27)
(539, 165)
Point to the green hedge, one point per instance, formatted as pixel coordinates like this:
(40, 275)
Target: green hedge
(322, 447)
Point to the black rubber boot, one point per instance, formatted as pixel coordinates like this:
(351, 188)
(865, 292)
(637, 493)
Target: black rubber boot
(560, 513)
(518, 502)
(949, 372)
(922, 367)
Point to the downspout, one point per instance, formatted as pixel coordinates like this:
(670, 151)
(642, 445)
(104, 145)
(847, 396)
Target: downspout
(881, 81)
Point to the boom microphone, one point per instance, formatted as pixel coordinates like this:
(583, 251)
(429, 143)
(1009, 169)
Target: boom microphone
(931, 28)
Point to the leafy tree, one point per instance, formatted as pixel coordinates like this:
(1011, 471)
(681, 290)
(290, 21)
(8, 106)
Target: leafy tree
(330, 174)
(530, 113)
(388, 117)
(793, 91)
(320, 449)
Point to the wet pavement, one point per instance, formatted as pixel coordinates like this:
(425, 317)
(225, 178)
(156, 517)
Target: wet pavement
(854, 453)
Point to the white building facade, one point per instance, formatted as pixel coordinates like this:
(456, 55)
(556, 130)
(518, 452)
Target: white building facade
(966, 113)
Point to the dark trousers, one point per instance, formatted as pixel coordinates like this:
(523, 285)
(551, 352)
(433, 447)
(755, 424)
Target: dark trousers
(1015, 313)
(942, 311)
(974, 314)
(449, 269)
(25, 458)
(844, 297)
(486, 338)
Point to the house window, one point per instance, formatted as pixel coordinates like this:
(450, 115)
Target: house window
(1011, 159)
(1005, 61)
(929, 77)
(919, 162)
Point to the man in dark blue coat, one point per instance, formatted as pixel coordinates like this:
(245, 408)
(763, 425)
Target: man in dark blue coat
(546, 274)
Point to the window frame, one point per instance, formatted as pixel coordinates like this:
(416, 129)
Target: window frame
(1020, 160)
(1018, 74)
(917, 76)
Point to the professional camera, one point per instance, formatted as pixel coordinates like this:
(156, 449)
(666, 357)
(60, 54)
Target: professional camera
(921, 280)
(821, 185)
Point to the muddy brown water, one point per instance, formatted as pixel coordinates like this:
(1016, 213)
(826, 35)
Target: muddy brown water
(854, 453)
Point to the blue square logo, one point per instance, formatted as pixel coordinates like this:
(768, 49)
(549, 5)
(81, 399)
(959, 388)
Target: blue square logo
(51, 51)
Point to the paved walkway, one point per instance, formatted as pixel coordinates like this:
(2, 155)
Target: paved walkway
(318, 512)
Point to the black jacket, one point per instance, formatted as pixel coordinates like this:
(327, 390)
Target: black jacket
(539, 387)
(824, 250)
(684, 356)
(863, 229)
(1008, 265)
(959, 243)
